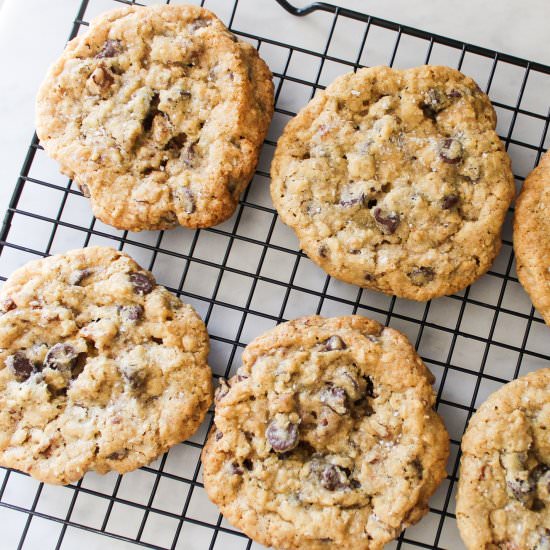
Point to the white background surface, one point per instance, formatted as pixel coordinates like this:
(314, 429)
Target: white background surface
(32, 34)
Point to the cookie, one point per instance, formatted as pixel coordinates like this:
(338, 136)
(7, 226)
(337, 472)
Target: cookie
(100, 368)
(503, 500)
(396, 180)
(158, 113)
(532, 237)
(326, 437)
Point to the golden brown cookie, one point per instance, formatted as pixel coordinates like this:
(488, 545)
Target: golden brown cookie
(503, 500)
(326, 437)
(158, 113)
(532, 236)
(396, 180)
(100, 368)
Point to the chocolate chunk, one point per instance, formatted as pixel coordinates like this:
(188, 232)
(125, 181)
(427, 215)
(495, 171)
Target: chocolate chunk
(332, 477)
(61, 357)
(352, 200)
(218, 435)
(111, 48)
(236, 469)
(520, 489)
(361, 408)
(354, 484)
(538, 505)
(152, 112)
(8, 304)
(282, 434)
(421, 276)
(369, 391)
(322, 251)
(188, 154)
(449, 201)
(131, 313)
(142, 283)
(84, 189)
(118, 455)
(335, 398)
(387, 223)
(198, 24)
(434, 102)
(78, 275)
(247, 463)
(334, 343)
(451, 151)
(177, 142)
(222, 390)
(185, 197)
(20, 366)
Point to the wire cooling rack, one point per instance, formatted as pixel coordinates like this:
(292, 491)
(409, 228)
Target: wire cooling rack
(248, 274)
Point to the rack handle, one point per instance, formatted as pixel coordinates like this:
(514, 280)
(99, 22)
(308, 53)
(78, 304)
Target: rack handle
(315, 6)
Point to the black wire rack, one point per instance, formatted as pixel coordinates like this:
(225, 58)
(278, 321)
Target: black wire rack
(248, 274)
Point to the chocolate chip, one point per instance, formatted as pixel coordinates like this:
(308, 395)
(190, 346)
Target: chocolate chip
(369, 391)
(334, 343)
(152, 112)
(131, 313)
(61, 357)
(361, 408)
(118, 455)
(198, 24)
(454, 94)
(137, 380)
(434, 102)
(8, 304)
(451, 151)
(421, 276)
(111, 48)
(354, 484)
(332, 477)
(322, 251)
(538, 471)
(78, 275)
(335, 398)
(142, 283)
(247, 463)
(449, 201)
(177, 142)
(520, 489)
(236, 469)
(20, 366)
(538, 505)
(84, 189)
(218, 435)
(222, 390)
(352, 200)
(387, 223)
(188, 154)
(185, 197)
(282, 434)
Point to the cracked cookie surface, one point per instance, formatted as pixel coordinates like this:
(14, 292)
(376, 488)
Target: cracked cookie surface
(532, 236)
(100, 368)
(503, 500)
(158, 113)
(326, 437)
(396, 180)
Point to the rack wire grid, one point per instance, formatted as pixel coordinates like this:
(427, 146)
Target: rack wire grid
(248, 274)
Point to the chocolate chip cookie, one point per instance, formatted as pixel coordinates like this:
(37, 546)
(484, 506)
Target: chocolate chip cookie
(396, 180)
(100, 368)
(326, 437)
(532, 237)
(158, 113)
(503, 497)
